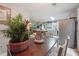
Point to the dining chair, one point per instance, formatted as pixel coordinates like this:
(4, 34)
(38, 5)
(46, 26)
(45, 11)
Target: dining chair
(8, 51)
(63, 49)
(56, 51)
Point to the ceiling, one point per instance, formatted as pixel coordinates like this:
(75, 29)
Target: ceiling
(43, 11)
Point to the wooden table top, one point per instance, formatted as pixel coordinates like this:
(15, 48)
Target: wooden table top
(36, 49)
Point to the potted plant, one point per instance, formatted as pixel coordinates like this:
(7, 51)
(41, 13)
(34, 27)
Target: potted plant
(19, 33)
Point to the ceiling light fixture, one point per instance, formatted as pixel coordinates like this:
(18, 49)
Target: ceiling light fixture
(52, 18)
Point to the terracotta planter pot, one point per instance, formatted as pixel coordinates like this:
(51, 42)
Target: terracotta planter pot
(18, 47)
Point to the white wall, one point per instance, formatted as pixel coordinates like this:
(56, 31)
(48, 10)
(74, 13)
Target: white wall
(3, 40)
(15, 9)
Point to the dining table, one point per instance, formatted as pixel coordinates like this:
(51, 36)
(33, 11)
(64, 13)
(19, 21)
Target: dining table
(39, 49)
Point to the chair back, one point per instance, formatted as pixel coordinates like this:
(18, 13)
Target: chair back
(65, 46)
(62, 50)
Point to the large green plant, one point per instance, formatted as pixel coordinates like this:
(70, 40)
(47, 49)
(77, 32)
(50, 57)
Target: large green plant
(17, 30)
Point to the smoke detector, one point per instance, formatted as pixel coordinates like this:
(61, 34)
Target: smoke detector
(53, 4)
